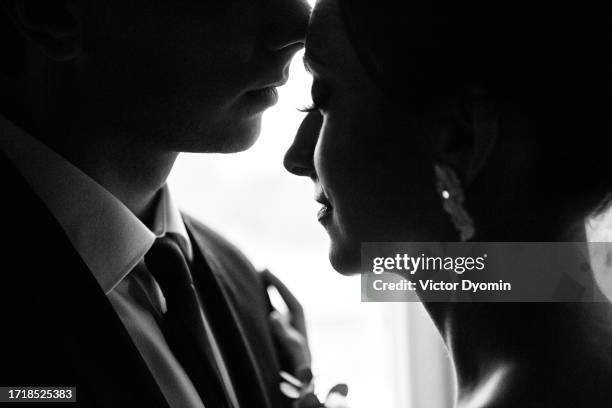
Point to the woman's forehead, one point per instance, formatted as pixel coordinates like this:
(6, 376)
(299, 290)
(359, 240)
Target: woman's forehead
(327, 41)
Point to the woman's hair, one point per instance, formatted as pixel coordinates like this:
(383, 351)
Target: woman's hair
(495, 45)
(12, 46)
(548, 64)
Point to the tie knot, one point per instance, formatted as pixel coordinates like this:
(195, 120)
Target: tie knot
(168, 265)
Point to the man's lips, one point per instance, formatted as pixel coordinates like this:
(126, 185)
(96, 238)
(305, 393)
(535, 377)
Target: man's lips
(266, 95)
(271, 82)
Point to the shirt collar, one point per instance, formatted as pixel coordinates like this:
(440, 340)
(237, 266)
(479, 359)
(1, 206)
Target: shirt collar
(110, 239)
(168, 220)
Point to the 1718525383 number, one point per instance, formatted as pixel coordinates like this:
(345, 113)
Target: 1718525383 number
(50, 394)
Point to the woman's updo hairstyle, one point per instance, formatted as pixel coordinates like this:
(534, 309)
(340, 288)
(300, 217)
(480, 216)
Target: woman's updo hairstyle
(12, 46)
(547, 63)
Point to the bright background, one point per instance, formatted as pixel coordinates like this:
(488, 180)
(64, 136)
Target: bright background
(388, 353)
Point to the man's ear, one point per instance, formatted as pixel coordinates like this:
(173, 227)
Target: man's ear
(466, 140)
(52, 25)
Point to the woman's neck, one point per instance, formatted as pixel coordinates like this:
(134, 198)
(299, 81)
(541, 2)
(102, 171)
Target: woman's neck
(535, 354)
(513, 354)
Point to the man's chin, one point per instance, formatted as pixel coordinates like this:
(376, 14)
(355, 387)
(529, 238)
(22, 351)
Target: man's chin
(233, 138)
(237, 145)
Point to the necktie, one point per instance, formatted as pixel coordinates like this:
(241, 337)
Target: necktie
(183, 325)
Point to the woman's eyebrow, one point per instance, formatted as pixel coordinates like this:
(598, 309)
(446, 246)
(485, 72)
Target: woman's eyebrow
(307, 61)
(311, 60)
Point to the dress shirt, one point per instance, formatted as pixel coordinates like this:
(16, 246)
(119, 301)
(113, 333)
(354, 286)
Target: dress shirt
(112, 242)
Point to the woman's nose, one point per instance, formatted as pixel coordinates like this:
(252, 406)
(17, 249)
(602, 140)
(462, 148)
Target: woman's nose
(286, 28)
(299, 156)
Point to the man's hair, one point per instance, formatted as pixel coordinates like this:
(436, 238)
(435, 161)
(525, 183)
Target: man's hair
(12, 46)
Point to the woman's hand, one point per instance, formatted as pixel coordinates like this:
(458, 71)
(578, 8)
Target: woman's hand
(289, 331)
(336, 398)
(291, 337)
(292, 345)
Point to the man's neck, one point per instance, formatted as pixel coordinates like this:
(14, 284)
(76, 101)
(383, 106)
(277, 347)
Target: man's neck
(132, 171)
(130, 167)
(134, 177)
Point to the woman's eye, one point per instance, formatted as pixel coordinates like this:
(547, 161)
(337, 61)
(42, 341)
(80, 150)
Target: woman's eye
(309, 108)
(320, 97)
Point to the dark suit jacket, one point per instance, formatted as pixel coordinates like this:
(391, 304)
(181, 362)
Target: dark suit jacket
(58, 328)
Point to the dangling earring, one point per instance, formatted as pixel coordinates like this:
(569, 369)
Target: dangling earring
(450, 189)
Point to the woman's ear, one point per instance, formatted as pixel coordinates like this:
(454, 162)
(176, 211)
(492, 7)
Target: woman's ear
(468, 136)
(52, 25)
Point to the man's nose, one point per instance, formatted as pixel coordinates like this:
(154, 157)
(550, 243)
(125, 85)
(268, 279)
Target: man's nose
(287, 24)
(299, 158)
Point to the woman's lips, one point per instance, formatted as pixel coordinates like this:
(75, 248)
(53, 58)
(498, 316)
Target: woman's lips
(324, 212)
(321, 198)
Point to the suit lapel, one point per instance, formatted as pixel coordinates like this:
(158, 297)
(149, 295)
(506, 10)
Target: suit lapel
(50, 283)
(226, 321)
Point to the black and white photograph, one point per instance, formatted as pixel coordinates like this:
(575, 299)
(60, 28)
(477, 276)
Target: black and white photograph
(305, 204)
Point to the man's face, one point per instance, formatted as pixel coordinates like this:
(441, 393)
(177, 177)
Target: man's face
(185, 75)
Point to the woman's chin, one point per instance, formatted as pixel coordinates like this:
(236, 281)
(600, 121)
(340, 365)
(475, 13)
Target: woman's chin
(345, 260)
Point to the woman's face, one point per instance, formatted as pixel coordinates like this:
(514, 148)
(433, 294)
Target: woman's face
(372, 166)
